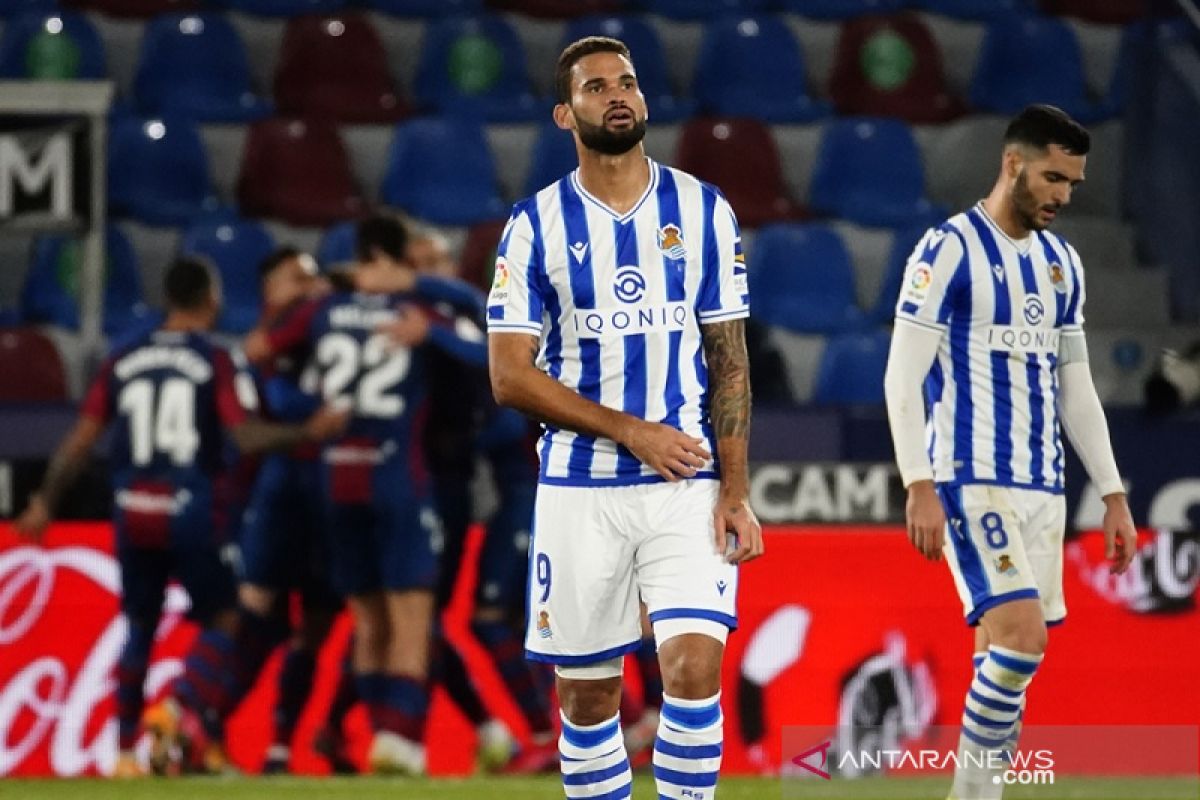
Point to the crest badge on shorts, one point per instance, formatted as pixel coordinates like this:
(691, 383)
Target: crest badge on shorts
(670, 242)
(543, 625)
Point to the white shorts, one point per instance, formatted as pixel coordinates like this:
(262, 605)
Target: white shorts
(1004, 543)
(596, 550)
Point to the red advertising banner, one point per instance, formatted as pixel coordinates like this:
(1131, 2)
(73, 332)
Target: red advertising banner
(838, 625)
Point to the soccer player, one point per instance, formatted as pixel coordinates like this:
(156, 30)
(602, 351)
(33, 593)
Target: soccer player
(990, 323)
(171, 394)
(616, 318)
(374, 351)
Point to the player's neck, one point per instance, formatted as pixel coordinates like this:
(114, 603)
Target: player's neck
(1000, 208)
(617, 181)
(185, 322)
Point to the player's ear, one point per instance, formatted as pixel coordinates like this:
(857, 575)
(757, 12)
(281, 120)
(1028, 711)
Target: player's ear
(564, 117)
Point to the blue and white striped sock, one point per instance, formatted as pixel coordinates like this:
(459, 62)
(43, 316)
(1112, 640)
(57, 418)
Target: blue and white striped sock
(594, 762)
(992, 714)
(687, 752)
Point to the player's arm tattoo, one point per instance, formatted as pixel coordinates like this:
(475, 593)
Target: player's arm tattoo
(728, 378)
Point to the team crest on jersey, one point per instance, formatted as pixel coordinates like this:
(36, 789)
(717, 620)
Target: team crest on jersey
(1057, 278)
(543, 625)
(670, 241)
(1005, 566)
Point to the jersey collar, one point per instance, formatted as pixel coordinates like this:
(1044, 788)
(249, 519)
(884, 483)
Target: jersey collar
(650, 189)
(1022, 247)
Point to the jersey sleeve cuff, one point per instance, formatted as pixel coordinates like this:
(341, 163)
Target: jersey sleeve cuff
(532, 328)
(910, 475)
(723, 315)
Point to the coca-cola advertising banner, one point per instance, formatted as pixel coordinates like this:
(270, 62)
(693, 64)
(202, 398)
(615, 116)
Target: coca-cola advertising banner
(838, 626)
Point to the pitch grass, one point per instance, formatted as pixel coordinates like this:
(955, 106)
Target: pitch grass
(548, 788)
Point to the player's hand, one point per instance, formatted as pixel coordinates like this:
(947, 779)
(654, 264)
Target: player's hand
(733, 515)
(1120, 535)
(926, 521)
(668, 451)
(329, 421)
(32, 524)
(410, 329)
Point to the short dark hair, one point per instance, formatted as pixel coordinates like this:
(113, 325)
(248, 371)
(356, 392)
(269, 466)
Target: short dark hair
(275, 259)
(577, 50)
(1040, 126)
(381, 232)
(188, 283)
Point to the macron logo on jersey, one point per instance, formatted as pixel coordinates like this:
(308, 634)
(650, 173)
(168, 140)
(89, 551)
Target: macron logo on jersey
(579, 250)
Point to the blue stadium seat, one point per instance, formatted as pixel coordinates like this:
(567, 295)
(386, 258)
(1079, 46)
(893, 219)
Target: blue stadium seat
(801, 279)
(851, 370)
(285, 8)
(235, 247)
(475, 66)
(869, 170)
(752, 66)
(441, 170)
(15, 8)
(157, 171)
(974, 9)
(51, 45)
(337, 244)
(840, 9)
(648, 57)
(426, 8)
(50, 294)
(1030, 59)
(704, 9)
(553, 157)
(194, 66)
(903, 242)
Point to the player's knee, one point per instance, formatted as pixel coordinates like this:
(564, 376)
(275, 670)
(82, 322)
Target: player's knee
(1024, 636)
(691, 662)
(589, 695)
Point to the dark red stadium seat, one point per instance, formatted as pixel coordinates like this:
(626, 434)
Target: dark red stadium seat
(1109, 12)
(31, 370)
(740, 157)
(140, 9)
(335, 68)
(478, 257)
(890, 66)
(297, 171)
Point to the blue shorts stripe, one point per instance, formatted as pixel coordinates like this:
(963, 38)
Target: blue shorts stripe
(728, 620)
(584, 659)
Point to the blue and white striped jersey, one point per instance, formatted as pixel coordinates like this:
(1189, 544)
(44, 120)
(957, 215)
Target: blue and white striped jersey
(1003, 307)
(617, 301)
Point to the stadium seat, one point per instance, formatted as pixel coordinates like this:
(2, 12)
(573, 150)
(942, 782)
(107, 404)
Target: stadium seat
(297, 171)
(973, 9)
(703, 9)
(869, 171)
(15, 8)
(1031, 59)
(890, 66)
(648, 56)
(840, 9)
(336, 68)
(1106, 12)
(559, 9)
(477, 263)
(337, 244)
(194, 66)
(50, 294)
(51, 45)
(235, 247)
(157, 171)
(553, 157)
(740, 157)
(903, 242)
(475, 66)
(426, 8)
(752, 66)
(137, 9)
(851, 370)
(441, 171)
(31, 369)
(801, 279)
(285, 8)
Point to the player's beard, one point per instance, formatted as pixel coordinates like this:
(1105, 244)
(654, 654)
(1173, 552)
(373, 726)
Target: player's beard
(610, 143)
(1026, 205)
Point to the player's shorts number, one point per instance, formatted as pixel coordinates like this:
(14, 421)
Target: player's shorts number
(166, 423)
(378, 365)
(543, 575)
(993, 530)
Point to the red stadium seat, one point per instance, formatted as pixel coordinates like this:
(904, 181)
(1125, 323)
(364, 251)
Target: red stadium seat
(1108, 12)
(31, 370)
(335, 68)
(740, 157)
(890, 66)
(297, 171)
(478, 257)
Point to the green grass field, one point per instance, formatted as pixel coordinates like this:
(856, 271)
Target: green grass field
(548, 788)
